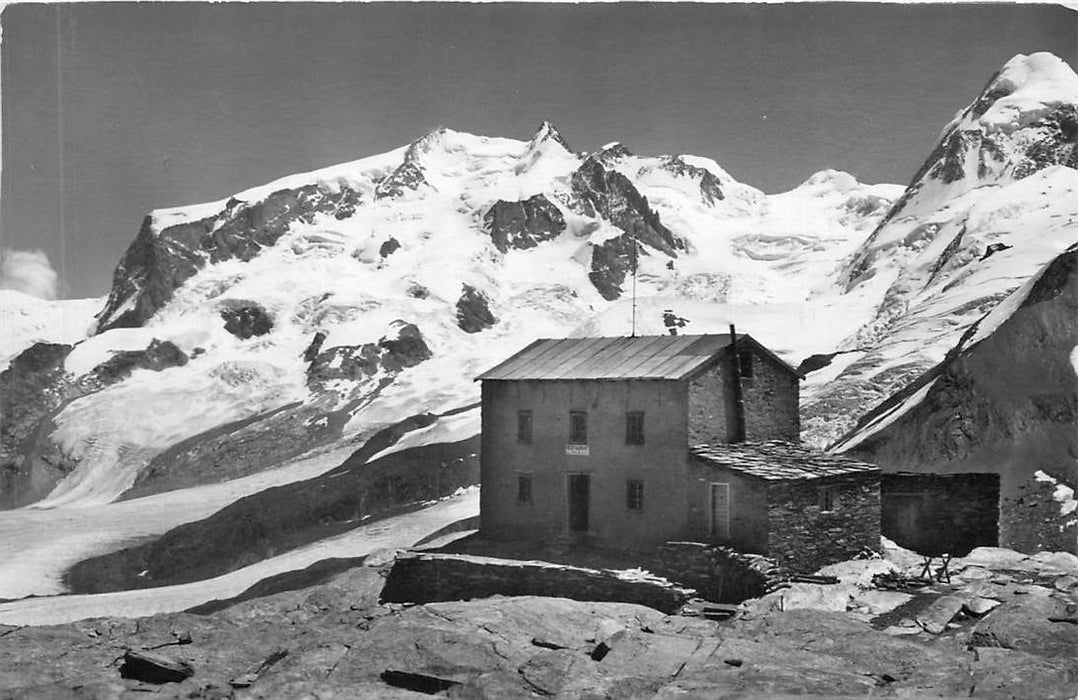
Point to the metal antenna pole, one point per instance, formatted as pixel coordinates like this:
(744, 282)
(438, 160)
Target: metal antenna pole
(633, 240)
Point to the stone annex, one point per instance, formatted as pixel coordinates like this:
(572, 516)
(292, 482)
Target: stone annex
(631, 442)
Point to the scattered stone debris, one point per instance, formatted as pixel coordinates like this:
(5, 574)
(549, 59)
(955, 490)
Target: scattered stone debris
(182, 637)
(148, 667)
(897, 581)
(546, 644)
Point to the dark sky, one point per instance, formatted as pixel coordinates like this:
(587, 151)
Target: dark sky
(163, 104)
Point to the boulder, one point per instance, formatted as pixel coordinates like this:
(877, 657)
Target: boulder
(1026, 624)
(979, 606)
(148, 667)
(804, 595)
(936, 616)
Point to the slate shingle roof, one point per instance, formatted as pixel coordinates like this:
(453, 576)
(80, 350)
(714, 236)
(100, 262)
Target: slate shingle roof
(776, 461)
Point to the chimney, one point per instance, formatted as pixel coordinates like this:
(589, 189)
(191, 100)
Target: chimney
(738, 433)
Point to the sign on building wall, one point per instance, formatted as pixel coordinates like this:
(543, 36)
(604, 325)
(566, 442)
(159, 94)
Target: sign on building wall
(577, 450)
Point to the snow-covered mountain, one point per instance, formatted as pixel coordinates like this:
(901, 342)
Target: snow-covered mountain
(1004, 400)
(25, 320)
(995, 201)
(311, 312)
(333, 303)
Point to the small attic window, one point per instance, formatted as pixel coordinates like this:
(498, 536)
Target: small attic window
(744, 363)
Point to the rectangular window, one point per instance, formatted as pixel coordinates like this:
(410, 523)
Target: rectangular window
(720, 510)
(828, 499)
(634, 494)
(744, 363)
(524, 488)
(634, 428)
(524, 427)
(578, 427)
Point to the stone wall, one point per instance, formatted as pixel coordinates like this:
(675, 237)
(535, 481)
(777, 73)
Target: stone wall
(802, 537)
(719, 574)
(433, 577)
(748, 508)
(661, 463)
(710, 407)
(935, 514)
(770, 398)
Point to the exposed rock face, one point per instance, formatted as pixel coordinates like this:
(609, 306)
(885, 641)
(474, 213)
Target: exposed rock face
(160, 261)
(710, 187)
(32, 388)
(1007, 403)
(357, 362)
(279, 519)
(473, 311)
(316, 345)
(522, 225)
(437, 576)
(390, 246)
(247, 320)
(157, 356)
(603, 192)
(995, 139)
(237, 449)
(409, 174)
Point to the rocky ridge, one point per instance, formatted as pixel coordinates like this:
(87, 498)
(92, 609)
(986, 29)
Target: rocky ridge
(1001, 629)
(1005, 399)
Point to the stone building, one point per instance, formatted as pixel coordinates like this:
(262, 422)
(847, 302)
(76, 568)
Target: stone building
(587, 439)
(799, 507)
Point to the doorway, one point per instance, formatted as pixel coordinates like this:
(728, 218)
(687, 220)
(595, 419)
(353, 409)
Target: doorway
(579, 489)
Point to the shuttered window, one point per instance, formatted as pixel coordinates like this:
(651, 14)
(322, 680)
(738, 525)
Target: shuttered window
(634, 494)
(524, 488)
(524, 427)
(578, 427)
(634, 428)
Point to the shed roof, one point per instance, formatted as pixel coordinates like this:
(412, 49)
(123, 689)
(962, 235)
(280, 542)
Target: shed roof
(637, 357)
(777, 461)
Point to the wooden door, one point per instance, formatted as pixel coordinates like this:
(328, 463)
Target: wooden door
(579, 487)
(720, 511)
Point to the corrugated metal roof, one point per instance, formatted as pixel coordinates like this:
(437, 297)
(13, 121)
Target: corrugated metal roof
(640, 357)
(777, 461)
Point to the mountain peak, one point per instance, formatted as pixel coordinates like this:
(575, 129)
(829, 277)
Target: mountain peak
(837, 180)
(1025, 91)
(1037, 68)
(548, 132)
